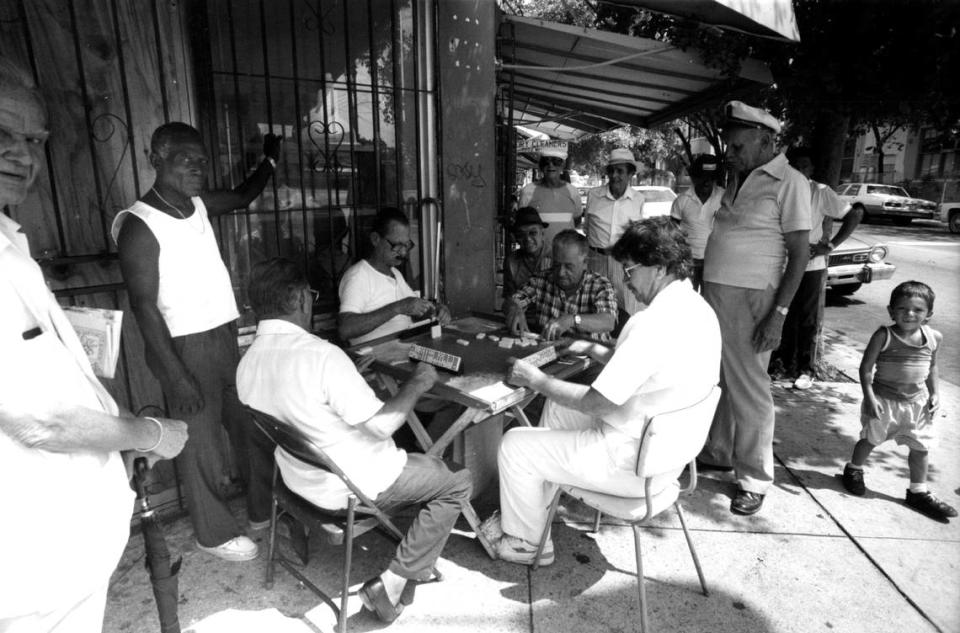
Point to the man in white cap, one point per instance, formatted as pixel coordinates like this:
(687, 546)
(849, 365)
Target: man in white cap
(610, 208)
(557, 202)
(694, 209)
(755, 257)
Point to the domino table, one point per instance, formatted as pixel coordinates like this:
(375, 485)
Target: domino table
(473, 357)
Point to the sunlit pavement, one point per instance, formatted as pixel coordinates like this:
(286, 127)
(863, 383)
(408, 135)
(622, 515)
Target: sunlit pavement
(814, 559)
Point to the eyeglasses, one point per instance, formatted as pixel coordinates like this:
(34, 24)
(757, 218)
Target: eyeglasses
(629, 270)
(315, 294)
(550, 160)
(398, 246)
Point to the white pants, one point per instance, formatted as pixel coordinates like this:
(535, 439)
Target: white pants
(85, 616)
(569, 448)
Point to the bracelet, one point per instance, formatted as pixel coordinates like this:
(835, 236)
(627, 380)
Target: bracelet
(159, 439)
(271, 160)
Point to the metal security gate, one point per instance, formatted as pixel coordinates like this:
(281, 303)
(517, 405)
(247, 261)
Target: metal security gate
(349, 86)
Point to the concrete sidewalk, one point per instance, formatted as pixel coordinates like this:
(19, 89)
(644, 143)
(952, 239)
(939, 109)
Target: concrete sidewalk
(814, 559)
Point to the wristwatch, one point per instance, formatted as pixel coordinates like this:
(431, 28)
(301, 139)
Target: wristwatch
(783, 310)
(577, 320)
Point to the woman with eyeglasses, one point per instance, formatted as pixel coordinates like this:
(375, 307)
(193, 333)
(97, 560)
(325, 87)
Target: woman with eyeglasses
(557, 202)
(666, 358)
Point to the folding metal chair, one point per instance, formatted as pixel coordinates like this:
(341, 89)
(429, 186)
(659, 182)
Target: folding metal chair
(670, 441)
(336, 527)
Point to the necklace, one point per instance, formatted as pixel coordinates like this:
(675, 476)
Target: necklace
(203, 228)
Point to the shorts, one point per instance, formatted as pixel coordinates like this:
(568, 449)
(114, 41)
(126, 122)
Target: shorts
(908, 422)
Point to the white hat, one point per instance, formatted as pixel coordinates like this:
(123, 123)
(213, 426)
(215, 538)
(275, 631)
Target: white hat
(553, 151)
(739, 113)
(621, 156)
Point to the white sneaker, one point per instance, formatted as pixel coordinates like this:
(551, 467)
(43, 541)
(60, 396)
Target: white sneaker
(237, 549)
(803, 381)
(516, 550)
(491, 528)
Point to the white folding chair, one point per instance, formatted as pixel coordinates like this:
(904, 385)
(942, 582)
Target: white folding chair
(670, 441)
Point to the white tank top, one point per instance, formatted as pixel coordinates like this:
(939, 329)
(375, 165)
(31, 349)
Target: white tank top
(195, 293)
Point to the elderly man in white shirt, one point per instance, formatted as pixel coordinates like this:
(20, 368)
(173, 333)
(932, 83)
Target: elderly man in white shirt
(306, 381)
(609, 209)
(61, 433)
(667, 357)
(694, 209)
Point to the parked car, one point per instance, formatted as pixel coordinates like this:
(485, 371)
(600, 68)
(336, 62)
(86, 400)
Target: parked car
(878, 200)
(855, 263)
(656, 200)
(950, 213)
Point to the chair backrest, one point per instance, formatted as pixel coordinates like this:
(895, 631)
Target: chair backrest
(673, 439)
(297, 443)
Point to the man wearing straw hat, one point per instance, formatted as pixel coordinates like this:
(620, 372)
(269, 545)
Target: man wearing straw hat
(609, 209)
(557, 202)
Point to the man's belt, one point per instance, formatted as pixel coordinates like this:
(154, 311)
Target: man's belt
(600, 251)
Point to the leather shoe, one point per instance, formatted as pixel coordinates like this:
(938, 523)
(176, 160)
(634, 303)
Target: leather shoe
(704, 466)
(746, 502)
(374, 597)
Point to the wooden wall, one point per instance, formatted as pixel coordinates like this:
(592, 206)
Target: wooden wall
(111, 72)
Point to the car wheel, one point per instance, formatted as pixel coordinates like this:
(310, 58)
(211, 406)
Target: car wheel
(902, 221)
(844, 289)
(954, 222)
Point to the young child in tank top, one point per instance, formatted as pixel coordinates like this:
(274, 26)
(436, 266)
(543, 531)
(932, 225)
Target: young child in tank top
(898, 375)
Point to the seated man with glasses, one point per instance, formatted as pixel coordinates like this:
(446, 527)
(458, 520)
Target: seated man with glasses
(375, 300)
(568, 299)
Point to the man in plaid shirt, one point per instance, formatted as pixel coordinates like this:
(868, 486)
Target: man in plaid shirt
(568, 299)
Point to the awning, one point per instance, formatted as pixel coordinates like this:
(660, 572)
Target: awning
(766, 18)
(568, 81)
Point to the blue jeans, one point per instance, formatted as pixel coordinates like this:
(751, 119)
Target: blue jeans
(428, 482)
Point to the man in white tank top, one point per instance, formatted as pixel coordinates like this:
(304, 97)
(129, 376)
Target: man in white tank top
(182, 298)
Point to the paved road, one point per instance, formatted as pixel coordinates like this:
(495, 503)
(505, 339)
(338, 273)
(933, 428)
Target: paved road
(924, 251)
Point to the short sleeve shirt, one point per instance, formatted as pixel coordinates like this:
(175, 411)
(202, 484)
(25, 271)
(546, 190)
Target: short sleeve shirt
(696, 218)
(824, 203)
(306, 381)
(365, 289)
(667, 357)
(746, 248)
(557, 206)
(594, 295)
(606, 215)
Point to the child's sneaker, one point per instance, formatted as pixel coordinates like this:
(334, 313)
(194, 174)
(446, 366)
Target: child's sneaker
(926, 503)
(853, 481)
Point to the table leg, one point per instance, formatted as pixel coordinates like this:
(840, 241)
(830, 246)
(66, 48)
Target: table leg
(423, 438)
(518, 413)
(468, 417)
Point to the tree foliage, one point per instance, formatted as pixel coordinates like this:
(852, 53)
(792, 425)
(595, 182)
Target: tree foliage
(652, 147)
(859, 64)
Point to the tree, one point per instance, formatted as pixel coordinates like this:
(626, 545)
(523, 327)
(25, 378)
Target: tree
(652, 147)
(859, 63)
